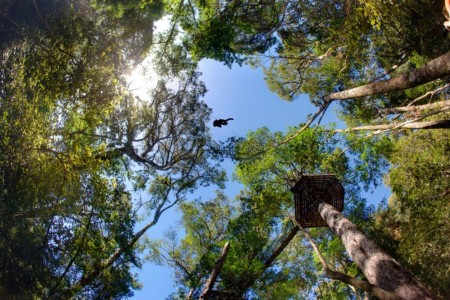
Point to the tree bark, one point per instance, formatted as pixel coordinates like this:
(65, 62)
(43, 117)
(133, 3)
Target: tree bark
(352, 282)
(214, 273)
(438, 124)
(89, 277)
(281, 247)
(268, 262)
(415, 108)
(191, 293)
(434, 69)
(379, 268)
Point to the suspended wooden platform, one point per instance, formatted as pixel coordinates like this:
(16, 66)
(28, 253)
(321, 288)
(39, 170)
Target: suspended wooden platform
(309, 191)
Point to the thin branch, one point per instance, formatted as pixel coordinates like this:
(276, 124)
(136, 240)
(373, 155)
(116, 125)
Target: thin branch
(409, 108)
(410, 124)
(320, 111)
(430, 93)
(77, 252)
(281, 247)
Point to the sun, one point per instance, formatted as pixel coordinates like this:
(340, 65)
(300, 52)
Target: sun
(143, 79)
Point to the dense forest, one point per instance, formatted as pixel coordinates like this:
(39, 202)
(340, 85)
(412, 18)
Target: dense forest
(77, 147)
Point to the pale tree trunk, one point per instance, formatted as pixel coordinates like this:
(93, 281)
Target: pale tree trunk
(416, 108)
(378, 267)
(439, 124)
(214, 273)
(434, 69)
(355, 291)
(352, 282)
(191, 293)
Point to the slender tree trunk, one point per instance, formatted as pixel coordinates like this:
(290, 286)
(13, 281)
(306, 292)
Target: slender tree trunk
(191, 293)
(89, 277)
(416, 108)
(355, 291)
(434, 69)
(214, 273)
(271, 259)
(439, 124)
(379, 268)
(280, 248)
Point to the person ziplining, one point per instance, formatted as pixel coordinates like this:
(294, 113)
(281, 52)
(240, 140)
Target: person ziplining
(221, 122)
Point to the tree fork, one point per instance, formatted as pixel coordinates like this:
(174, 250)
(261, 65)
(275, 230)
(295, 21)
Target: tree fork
(379, 268)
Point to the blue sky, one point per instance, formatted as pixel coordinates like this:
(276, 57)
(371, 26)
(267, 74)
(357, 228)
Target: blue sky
(242, 94)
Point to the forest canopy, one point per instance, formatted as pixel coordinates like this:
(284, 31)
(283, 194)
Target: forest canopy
(87, 168)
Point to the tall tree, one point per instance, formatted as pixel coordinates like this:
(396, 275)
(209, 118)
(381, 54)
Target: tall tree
(75, 145)
(379, 268)
(260, 228)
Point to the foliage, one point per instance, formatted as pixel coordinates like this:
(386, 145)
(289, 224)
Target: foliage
(75, 145)
(326, 47)
(258, 224)
(418, 209)
(226, 30)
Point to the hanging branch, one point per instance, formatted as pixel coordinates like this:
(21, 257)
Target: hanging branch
(361, 284)
(268, 262)
(320, 111)
(434, 69)
(214, 273)
(77, 252)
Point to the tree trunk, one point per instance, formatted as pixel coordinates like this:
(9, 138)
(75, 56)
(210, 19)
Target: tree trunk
(352, 282)
(214, 273)
(415, 108)
(191, 293)
(434, 69)
(89, 277)
(268, 262)
(281, 247)
(439, 124)
(379, 268)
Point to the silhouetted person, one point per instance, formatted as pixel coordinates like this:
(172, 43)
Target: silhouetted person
(221, 122)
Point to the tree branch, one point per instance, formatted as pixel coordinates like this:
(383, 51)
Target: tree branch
(409, 108)
(281, 247)
(414, 125)
(434, 69)
(214, 273)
